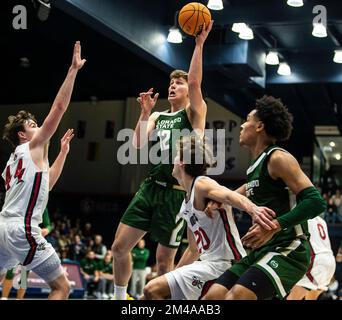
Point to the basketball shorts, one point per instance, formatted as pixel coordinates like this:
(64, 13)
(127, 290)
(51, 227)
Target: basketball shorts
(154, 209)
(15, 247)
(284, 264)
(319, 276)
(192, 281)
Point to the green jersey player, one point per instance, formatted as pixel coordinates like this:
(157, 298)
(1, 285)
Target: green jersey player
(279, 257)
(155, 206)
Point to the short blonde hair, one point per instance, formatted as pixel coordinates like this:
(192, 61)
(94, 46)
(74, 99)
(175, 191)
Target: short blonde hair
(175, 74)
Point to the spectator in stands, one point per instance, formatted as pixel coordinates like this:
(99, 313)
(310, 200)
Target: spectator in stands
(88, 232)
(140, 255)
(106, 284)
(336, 200)
(89, 270)
(77, 249)
(99, 248)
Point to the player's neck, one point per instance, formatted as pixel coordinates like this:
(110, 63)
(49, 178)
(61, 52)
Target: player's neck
(259, 147)
(179, 105)
(186, 183)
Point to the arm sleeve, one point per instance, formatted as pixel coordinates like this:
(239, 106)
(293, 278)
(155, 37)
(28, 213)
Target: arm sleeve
(309, 205)
(46, 220)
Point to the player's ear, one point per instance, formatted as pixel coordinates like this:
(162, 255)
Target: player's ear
(21, 135)
(260, 126)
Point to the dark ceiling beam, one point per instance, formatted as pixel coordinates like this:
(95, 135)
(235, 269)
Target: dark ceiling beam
(335, 36)
(141, 31)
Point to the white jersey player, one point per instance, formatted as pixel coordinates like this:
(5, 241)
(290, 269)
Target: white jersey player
(322, 266)
(28, 179)
(212, 239)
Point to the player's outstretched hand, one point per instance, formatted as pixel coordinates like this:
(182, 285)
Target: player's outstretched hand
(201, 37)
(147, 102)
(65, 141)
(77, 61)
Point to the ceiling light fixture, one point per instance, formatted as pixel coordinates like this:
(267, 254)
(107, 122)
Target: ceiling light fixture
(174, 35)
(238, 27)
(215, 4)
(246, 33)
(284, 69)
(338, 56)
(295, 3)
(272, 58)
(319, 30)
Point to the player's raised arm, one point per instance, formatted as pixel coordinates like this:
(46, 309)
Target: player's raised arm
(197, 107)
(57, 167)
(61, 102)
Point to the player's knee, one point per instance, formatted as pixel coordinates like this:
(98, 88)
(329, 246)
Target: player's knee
(239, 292)
(118, 248)
(216, 292)
(149, 290)
(62, 286)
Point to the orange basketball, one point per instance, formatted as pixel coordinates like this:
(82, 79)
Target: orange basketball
(192, 17)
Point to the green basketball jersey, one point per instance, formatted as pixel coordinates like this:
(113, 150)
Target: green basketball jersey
(265, 191)
(168, 129)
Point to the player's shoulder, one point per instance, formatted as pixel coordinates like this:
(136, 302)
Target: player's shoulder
(281, 157)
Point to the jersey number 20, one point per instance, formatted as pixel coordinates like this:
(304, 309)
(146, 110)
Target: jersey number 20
(201, 237)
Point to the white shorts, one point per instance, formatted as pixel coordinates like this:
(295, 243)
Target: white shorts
(16, 248)
(189, 281)
(320, 275)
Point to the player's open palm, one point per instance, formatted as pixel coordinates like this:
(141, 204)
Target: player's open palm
(147, 100)
(77, 61)
(65, 141)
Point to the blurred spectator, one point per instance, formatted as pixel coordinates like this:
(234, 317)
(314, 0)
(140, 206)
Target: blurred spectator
(106, 284)
(330, 214)
(336, 200)
(88, 232)
(77, 249)
(89, 270)
(140, 255)
(99, 248)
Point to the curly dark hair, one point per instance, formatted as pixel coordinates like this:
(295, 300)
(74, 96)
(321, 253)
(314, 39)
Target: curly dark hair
(275, 116)
(14, 125)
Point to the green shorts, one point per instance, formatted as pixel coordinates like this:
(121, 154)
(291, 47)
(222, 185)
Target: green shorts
(154, 209)
(284, 265)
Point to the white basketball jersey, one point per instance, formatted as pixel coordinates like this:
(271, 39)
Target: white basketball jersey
(217, 238)
(319, 237)
(27, 188)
